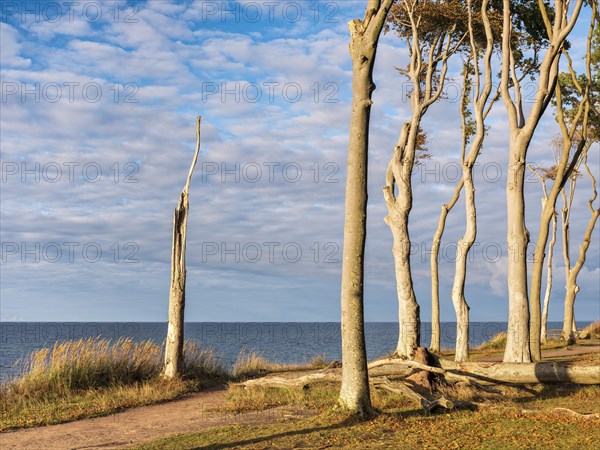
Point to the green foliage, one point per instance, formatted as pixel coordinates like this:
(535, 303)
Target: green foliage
(469, 125)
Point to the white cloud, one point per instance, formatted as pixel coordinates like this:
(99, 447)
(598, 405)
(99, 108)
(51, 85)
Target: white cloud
(170, 54)
(11, 48)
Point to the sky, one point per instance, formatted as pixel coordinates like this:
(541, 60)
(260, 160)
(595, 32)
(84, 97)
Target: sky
(98, 111)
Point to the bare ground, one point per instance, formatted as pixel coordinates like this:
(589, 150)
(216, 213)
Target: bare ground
(582, 348)
(193, 412)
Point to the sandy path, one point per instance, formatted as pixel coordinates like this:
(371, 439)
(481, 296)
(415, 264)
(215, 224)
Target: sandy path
(556, 353)
(138, 425)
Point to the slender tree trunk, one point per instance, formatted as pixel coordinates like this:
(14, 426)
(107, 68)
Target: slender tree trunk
(563, 173)
(423, 70)
(544, 333)
(399, 174)
(536, 278)
(460, 274)
(569, 326)
(481, 107)
(435, 282)
(174, 363)
(521, 133)
(354, 392)
(517, 342)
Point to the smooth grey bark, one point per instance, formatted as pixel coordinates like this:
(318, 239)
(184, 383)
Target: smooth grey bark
(569, 328)
(544, 324)
(578, 125)
(354, 392)
(174, 363)
(564, 170)
(544, 332)
(422, 71)
(481, 108)
(434, 263)
(397, 219)
(521, 132)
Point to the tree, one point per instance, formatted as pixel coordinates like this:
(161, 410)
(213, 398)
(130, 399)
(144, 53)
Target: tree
(174, 362)
(526, 22)
(429, 29)
(434, 263)
(482, 103)
(571, 286)
(354, 392)
(521, 132)
(572, 115)
(545, 174)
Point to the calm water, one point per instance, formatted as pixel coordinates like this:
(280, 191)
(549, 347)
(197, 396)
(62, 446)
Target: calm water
(286, 342)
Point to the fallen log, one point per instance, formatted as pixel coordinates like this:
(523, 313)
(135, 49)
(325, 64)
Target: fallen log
(477, 374)
(524, 373)
(302, 381)
(404, 362)
(499, 372)
(428, 405)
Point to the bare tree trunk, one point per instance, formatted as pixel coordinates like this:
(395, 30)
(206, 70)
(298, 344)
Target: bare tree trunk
(564, 170)
(544, 333)
(354, 392)
(399, 174)
(435, 281)
(517, 342)
(521, 133)
(569, 326)
(480, 105)
(458, 289)
(423, 69)
(536, 278)
(174, 363)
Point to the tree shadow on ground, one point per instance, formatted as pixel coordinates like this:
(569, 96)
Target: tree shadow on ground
(551, 391)
(346, 423)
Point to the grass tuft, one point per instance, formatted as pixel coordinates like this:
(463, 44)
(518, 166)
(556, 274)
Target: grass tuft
(592, 331)
(497, 342)
(252, 364)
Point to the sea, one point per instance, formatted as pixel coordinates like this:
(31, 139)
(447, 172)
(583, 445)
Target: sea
(285, 342)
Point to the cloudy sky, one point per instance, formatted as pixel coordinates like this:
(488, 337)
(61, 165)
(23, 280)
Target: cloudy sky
(99, 101)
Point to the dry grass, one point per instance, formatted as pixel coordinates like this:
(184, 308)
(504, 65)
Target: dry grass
(401, 424)
(84, 364)
(592, 331)
(320, 396)
(91, 377)
(252, 364)
(497, 342)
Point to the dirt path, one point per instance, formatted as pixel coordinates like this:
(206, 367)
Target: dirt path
(556, 353)
(193, 412)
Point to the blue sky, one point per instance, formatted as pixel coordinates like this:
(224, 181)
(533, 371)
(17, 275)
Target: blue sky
(98, 112)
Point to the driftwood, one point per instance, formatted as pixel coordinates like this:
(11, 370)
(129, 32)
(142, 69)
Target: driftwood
(450, 376)
(302, 381)
(479, 373)
(428, 405)
(524, 373)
